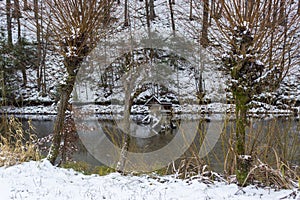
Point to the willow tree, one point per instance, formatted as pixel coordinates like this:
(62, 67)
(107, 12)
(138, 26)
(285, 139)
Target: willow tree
(256, 41)
(75, 26)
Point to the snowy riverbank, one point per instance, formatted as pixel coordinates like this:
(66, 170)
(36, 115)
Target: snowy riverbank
(187, 111)
(41, 180)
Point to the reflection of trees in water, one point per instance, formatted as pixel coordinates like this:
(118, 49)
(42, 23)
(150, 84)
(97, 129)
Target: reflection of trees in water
(147, 142)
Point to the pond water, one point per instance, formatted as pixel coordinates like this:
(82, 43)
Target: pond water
(280, 134)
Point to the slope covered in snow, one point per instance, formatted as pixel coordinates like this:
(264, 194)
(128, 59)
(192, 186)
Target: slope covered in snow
(214, 82)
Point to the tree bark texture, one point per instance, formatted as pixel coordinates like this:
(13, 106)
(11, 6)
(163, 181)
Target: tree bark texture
(17, 15)
(243, 167)
(191, 10)
(8, 23)
(282, 17)
(126, 20)
(205, 23)
(172, 16)
(151, 10)
(65, 94)
(26, 7)
(39, 47)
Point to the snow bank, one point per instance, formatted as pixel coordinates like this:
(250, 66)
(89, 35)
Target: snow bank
(41, 180)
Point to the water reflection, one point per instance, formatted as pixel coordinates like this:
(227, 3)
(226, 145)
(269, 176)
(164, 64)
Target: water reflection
(281, 134)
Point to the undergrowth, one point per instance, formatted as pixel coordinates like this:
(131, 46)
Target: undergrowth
(88, 169)
(16, 144)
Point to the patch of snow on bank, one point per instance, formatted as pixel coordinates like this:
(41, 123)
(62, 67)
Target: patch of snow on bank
(41, 180)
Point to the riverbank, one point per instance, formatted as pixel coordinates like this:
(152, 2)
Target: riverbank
(36, 180)
(188, 111)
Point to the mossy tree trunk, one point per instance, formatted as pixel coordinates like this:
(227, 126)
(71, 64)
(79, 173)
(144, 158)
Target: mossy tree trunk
(65, 95)
(257, 60)
(243, 162)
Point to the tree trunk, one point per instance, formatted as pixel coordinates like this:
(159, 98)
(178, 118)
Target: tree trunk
(191, 10)
(204, 35)
(26, 7)
(172, 16)
(3, 86)
(43, 52)
(249, 9)
(126, 20)
(65, 94)
(243, 162)
(275, 13)
(212, 11)
(282, 18)
(17, 15)
(129, 81)
(16, 12)
(151, 10)
(126, 131)
(219, 10)
(8, 23)
(38, 38)
(24, 75)
(298, 7)
(147, 14)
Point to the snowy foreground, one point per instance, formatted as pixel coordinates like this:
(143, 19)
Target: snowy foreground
(41, 180)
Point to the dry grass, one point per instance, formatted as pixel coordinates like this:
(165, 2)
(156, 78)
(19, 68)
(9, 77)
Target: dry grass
(282, 177)
(16, 144)
(274, 146)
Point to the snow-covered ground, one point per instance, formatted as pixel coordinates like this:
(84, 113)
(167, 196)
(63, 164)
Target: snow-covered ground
(41, 180)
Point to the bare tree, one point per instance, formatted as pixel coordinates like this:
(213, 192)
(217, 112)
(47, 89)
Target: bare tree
(298, 7)
(191, 10)
(256, 53)
(17, 15)
(282, 17)
(75, 27)
(126, 18)
(38, 38)
(204, 33)
(147, 14)
(172, 16)
(26, 6)
(8, 23)
(151, 10)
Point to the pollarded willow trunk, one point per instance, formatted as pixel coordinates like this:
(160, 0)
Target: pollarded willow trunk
(243, 161)
(65, 95)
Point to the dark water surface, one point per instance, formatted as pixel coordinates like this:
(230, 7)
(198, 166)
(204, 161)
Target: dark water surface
(283, 132)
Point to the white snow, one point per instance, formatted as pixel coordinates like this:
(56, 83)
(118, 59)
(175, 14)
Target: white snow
(41, 180)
